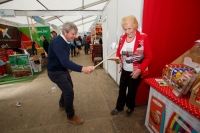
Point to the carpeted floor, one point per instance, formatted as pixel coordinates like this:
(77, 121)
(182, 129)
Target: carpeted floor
(95, 96)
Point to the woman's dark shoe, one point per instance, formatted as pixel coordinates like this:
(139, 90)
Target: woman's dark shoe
(115, 111)
(129, 112)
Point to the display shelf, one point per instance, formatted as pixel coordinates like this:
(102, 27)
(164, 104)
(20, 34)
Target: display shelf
(183, 102)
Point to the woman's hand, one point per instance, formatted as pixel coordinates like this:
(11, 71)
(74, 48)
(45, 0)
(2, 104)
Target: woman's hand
(135, 73)
(117, 61)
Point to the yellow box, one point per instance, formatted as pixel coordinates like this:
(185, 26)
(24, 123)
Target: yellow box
(40, 51)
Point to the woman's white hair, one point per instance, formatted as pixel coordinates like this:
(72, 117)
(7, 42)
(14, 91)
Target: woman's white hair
(130, 19)
(68, 26)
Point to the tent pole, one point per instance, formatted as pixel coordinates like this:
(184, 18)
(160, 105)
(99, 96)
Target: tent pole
(29, 27)
(82, 18)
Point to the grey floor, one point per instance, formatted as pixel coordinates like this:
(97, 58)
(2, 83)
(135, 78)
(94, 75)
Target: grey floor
(95, 97)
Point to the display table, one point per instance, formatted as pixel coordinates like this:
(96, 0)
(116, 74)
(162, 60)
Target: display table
(161, 118)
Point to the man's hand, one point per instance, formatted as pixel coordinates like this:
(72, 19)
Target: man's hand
(88, 69)
(135, 73)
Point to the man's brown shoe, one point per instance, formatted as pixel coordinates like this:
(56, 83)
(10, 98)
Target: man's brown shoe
(75, 120)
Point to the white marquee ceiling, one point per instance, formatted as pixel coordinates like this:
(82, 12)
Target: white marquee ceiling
(83, 22)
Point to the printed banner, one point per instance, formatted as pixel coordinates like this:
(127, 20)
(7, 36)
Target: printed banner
(40, 31)
(157, 115)
(7, 13)
(177, 124)
(10, 37)
(20, 65)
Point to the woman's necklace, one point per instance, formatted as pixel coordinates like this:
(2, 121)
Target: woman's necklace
(128, 40)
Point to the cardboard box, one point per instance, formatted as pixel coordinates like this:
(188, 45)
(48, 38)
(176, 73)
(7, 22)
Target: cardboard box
(43, 62)
(36, 57)
(195, 58)
(195, 96)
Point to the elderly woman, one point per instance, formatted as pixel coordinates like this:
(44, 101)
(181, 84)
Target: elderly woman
(135, 55)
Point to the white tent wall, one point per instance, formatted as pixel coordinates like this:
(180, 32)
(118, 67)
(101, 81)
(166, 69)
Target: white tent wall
(114, 12)
(112, 35)
(105, 37)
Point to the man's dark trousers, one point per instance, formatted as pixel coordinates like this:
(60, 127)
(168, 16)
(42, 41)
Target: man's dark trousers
(64, 82)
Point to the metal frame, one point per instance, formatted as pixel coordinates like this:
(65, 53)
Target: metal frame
(60, 13)
(56, 12)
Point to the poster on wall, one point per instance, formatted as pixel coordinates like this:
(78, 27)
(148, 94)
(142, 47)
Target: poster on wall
(177, 124)
(157, 115)
(10, 37)
(40, 31)
(20, 65)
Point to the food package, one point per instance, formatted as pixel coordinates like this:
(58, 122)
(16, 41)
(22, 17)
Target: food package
(181, 84)
(180, 77)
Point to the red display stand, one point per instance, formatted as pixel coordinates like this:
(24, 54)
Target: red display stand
(142, 94)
